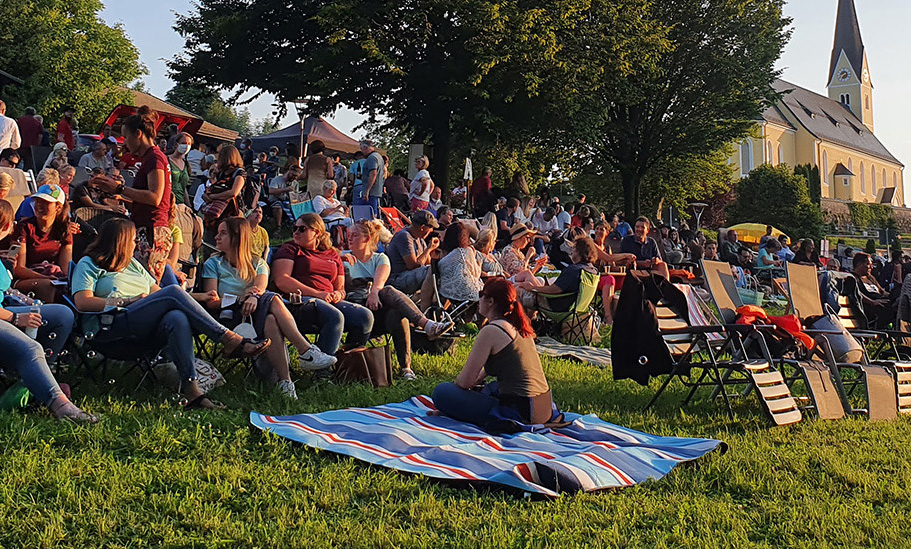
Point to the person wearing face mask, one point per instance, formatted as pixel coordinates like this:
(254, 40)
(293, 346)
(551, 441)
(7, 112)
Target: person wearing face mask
(180, 168)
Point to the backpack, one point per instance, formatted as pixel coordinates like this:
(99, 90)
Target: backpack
(250, 194)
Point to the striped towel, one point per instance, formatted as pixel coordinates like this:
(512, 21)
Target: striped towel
(587, 455)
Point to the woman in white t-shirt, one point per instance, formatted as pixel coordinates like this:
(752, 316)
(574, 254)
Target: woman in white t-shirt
(366, 273)
(329, 208)
(421, 185)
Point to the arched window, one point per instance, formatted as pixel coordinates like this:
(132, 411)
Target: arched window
(768, 153)
(895, 179)
(863, 183)
(780, 155)
(851, 165)
(867, 102)
(746, 158)
(873, 179)
(825, 167)
(885, 178)
(845, 99)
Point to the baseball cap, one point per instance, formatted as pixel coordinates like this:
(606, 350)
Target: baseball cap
(60, 145)
(50, 193)
(423, 217)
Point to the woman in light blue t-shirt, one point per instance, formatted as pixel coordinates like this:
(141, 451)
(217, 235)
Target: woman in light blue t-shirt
(149, 316)
(366, 274)
(235, 273)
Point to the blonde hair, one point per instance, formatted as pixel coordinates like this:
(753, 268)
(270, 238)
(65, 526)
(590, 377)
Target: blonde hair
(48, 176)
(241, 237)
(374, 231)
(315, 222)
(424, 160)
(485, 238)
(6, 181)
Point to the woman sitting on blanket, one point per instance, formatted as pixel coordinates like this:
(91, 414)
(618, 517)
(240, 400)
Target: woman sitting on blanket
(153, 317)
(233, 271)
(505, 349)
(366, 274)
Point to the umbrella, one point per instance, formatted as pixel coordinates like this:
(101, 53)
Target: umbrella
(751, 233)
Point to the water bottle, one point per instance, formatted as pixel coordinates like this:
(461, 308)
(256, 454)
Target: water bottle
(114, 299)
(33, 332)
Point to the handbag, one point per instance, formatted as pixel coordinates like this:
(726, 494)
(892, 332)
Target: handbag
(357, 289)
(373, 365)
(845, 347)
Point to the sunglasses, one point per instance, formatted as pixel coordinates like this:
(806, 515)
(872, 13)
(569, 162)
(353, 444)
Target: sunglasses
(301, 228)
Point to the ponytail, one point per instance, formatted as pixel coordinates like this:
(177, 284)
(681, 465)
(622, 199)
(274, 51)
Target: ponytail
(506, 301)
(144, 121)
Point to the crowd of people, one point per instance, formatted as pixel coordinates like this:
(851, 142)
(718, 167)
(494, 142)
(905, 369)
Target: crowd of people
(340, 279)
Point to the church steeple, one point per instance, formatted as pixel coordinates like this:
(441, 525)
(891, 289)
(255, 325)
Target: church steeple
(849, 74)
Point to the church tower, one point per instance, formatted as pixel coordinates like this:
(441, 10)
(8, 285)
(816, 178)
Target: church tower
(849, 73)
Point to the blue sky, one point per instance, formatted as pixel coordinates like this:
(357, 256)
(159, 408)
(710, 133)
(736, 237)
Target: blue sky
(805, 61)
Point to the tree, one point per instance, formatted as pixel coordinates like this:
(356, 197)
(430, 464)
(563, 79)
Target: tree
(67, 56)
(637, 84)
(192, 97)
(776, 196)
(419, 64)
(811, 172)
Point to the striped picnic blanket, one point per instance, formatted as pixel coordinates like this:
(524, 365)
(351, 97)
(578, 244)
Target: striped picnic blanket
(588, 455)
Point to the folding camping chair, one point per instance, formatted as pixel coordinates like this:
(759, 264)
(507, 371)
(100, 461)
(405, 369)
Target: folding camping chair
(362, 213)
(395, 219)
(96, 357)
(822, 380)
(576, 318)
(693, 343)
(887, 383)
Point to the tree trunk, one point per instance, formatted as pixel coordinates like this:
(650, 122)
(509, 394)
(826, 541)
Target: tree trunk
(441, 149)
(630, 196)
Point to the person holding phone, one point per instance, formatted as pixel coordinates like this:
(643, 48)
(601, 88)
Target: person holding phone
(410, 252)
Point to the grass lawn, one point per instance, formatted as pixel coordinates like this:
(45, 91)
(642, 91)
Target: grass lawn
(152, 475)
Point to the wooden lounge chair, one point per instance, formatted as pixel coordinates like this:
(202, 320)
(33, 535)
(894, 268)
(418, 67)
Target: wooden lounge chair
(712, 348)
(888, 383)
(825, 390)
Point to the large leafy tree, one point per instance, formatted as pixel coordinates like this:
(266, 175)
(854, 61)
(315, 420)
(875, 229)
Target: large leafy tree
(67, 56)
(779, 197)
(675, 80)
(419, 64)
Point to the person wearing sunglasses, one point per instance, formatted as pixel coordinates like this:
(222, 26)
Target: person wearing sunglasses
(311, 268)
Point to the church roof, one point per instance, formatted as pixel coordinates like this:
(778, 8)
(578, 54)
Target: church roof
(829, 120)
(847, 38)
(774, 115)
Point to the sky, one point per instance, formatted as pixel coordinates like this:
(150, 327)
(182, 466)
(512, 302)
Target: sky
(805, 61)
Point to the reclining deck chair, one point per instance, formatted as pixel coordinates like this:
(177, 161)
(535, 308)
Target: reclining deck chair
(691, 342)
(823, 383)
(885, 394)
(570, 325)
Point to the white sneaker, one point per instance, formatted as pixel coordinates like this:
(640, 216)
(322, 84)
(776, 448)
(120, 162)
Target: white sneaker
(286, 386)
(315, 359)
(409, 375)
(435, 330)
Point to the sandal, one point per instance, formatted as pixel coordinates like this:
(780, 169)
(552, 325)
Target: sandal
(197, 404)
(259, 347)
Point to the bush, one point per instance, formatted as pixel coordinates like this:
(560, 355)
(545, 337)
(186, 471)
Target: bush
(874, 216)
(775, 196)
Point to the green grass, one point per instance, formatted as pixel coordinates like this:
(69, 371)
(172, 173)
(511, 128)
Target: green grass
(152, 475)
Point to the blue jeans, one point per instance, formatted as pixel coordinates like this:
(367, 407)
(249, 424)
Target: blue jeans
(409, 282)
(58, 320)
(166, 319)
(26, 356)
(463, 404)
(329, 321)
(539, 246)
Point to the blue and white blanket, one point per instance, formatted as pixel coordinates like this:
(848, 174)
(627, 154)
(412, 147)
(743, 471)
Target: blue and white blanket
(587, 455)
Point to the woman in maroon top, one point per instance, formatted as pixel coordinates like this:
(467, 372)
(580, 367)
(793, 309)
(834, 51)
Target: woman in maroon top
(150, 193)
(46, 245)
(310, 267)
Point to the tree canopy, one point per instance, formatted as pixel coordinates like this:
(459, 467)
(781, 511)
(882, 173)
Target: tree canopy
(778, 197)
(624, 85)
(67, 56)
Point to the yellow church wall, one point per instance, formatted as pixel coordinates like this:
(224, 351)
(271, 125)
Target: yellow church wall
(858, 190)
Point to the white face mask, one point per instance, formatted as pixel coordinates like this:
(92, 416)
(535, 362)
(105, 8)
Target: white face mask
(183, 148)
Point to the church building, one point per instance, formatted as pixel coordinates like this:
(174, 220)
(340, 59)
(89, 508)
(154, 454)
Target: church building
(834, 133)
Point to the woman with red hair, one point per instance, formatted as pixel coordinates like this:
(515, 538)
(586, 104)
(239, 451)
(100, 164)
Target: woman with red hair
(504, 349)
